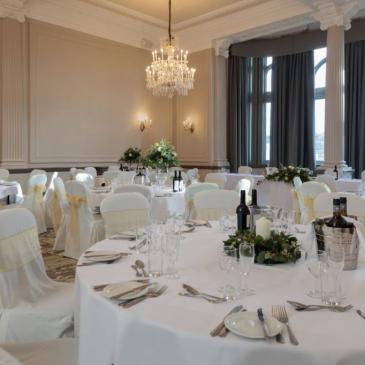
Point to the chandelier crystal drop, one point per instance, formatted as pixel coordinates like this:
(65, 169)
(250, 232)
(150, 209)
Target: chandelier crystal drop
(169, 73)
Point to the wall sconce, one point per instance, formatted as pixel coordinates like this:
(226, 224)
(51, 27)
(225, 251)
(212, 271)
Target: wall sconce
(145, 123)
(188, 125)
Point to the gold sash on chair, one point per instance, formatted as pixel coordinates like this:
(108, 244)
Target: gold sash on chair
(309, 206)
(75, 202)
(37, 204)
(19, 249)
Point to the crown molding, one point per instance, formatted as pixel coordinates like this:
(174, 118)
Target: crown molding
(14, 9)
(334, 12)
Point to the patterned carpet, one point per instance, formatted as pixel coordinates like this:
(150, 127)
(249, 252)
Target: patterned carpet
(58, 268)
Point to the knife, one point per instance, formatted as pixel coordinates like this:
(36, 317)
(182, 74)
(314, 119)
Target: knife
(260, 315)
(360, 313)
(216, 331)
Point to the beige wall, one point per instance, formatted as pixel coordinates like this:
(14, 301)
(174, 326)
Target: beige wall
(85, 97)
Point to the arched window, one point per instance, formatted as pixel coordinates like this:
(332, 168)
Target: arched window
(319, 101)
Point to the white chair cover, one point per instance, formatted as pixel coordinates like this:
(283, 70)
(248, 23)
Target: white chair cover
(329, 180)
(323, 205)
(74, 171)
(7, 359)
(51, 205)
(62, 203)
(245, 184)
(245, 170)
(85, 178)
(63, 351)
(190, 193)
(34, 200)
(4, 174)
(271, 170)
(32, 306)
(309, 191)
(92, 171)
(216, 178)
(113, 168)
(83, 229)
(329, 171)
(210, 205)
(125, 177)
(135, 188)
(124, 212)
(111, 175)
(37, 172)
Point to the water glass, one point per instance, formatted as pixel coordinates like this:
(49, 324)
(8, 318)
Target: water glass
(227, 258)
(331, 275)
(246, 262)
(156, 240)
(179, 222)
(315, 261)
(172, 249)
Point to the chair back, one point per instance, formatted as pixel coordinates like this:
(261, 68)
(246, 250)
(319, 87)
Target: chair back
(111, 175)
(210, 205)
(216, 178)
(126, 177)
(124, 212)
(193, 175)
(309, 191)
(51, 204)
(74, 171)
(4, 174)
(245, 170)
(271, 170)
(245, 184)
(37, 172)
(22, 273)
(92, 171)
(329, 180)
(85, 179)
(135, 188)
(113, 168)
(190, 193)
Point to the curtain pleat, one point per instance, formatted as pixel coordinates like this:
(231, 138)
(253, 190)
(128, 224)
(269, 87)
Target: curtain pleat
(355, 106)
(292, 111)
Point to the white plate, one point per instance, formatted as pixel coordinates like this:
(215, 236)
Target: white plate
(100, 258)
(101, 253)
(113, 290)
(248, 325)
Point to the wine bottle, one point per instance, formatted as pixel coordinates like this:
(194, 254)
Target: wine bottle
(253, 210)
(175, 183)
(336, 172)
(343, 206)
(337, 221)
(181, 182)
(243, 213)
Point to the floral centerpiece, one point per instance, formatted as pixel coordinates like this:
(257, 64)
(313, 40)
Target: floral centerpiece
(280, 248)
(131, 155)
(161, 155)
(287, 174)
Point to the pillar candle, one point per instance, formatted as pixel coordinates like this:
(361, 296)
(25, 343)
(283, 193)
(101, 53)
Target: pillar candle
(263, 228)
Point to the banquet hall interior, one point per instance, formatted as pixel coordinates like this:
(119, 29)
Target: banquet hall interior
(182, 182)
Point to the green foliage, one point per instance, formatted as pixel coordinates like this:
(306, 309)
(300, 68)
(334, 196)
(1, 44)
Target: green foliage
(280, 248)
(161, 155)
(131, 155)
(287, 174)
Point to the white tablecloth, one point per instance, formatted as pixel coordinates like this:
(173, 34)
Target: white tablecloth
(175, 330)
(276, 194)
(162, 207)
(350, 186)
(233, 179)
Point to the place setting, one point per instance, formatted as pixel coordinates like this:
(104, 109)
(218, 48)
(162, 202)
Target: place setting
(106, 257)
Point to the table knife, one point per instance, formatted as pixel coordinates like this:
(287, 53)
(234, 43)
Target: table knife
(216, 331)
(260, 315)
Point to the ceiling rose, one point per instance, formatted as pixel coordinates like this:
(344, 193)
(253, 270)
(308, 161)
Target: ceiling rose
(169, 74)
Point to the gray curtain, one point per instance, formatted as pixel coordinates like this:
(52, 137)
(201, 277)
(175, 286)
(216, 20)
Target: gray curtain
(292, 111)
(238, 130)
(355, 106)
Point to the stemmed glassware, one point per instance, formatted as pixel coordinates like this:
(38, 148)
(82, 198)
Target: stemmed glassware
(172, 248)
(246, 262)
(180, 221)
(227, 258)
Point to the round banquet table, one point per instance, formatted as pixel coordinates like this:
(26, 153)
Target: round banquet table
(172, 329)
(349, 186)
(233, 179)
(164, 203)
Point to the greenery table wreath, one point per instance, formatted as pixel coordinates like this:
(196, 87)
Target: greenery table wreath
(288, 173)
(280, 248)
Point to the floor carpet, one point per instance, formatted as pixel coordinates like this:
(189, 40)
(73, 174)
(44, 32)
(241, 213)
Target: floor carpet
(58, 267)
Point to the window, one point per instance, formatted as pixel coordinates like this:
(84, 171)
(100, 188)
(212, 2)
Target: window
(319, 102)
(267, 105)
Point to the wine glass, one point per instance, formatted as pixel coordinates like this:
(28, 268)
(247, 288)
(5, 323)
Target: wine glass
(227, 259)
(246, 261)
(315, 262)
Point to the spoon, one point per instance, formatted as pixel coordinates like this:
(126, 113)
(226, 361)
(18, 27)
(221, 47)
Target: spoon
(136, 269)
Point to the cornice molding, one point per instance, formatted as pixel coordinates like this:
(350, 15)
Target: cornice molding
(14, 9)
(221, 47)
(331, 13)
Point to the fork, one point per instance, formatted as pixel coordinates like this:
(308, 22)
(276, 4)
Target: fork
(282, 316)
(279, 337)
(150, 294)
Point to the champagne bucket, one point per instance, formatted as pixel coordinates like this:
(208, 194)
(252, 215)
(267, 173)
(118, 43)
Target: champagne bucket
(340, 236)
(139, 179)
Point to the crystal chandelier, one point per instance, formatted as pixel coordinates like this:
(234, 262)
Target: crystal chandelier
(169, 73)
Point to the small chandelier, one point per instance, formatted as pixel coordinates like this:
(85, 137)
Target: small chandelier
(169, 73)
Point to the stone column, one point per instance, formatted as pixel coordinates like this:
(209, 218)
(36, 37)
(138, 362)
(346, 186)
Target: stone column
(334, 123)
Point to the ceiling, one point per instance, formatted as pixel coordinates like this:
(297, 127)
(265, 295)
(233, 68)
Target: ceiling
(182, 10)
